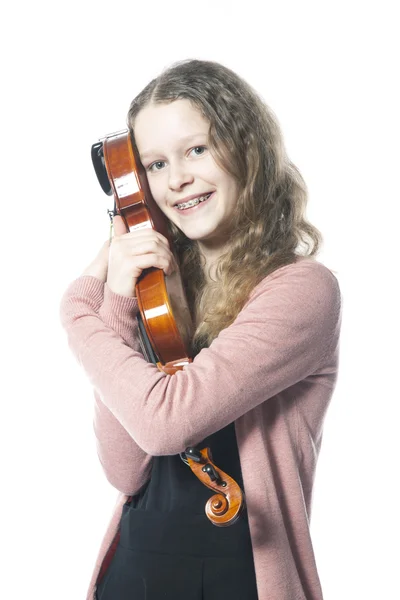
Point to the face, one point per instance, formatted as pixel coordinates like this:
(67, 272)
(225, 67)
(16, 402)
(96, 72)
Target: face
(172, 140)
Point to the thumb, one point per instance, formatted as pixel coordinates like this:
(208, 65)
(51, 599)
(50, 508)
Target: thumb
(119, 225)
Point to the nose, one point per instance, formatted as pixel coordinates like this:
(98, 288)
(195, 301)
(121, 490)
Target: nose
(179, 176)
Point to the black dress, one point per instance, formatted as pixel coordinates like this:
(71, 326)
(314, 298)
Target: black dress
(168, 549)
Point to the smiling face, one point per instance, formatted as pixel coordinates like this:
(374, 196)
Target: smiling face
(172, 140)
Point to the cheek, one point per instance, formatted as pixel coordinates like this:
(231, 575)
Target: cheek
(233, 194)
(229, 184)
(156, 189)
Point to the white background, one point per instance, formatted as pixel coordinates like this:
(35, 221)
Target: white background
(69, 71)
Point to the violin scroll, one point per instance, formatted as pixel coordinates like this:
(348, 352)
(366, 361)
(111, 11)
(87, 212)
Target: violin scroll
(225, 506)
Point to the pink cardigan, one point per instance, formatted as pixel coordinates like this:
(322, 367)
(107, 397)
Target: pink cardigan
(273, 372)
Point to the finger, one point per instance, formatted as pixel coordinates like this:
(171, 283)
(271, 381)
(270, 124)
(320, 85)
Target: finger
(148, 233)
(147, 261)
(153, 246)
(119, 225)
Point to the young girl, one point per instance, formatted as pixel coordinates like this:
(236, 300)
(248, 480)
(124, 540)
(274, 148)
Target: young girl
(265, 348)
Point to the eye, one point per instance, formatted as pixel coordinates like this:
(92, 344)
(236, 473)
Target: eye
(199, 150)
(156, 166)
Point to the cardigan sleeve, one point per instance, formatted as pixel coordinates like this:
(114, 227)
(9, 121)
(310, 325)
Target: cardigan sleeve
(126, 466)
(282, 335)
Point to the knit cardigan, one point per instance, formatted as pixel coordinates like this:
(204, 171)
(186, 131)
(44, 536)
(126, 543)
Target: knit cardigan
(272, 371)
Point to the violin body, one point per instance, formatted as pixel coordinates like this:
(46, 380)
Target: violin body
(165, 323)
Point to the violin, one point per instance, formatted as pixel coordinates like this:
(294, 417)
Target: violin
(164, 320)
(225, 506)
(165, 323)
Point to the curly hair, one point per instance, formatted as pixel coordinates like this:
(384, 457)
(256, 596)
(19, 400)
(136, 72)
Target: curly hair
(269, 228)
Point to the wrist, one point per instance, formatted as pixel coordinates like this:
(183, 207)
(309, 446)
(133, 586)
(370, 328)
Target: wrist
(121, 290)
(96, 271)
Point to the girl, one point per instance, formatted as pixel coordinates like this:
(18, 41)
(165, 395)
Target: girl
(265, 348)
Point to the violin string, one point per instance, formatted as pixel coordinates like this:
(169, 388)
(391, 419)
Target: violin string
(182, 454)
(111, 233)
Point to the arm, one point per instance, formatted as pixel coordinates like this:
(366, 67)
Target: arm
(281, 336)
(126, 466)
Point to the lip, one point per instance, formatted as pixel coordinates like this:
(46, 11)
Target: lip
(192, 197)
(193, 210)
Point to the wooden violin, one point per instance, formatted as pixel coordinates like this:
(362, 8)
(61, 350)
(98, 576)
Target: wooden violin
(165, 323)
(164, 319)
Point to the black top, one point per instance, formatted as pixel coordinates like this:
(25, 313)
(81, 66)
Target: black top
(166, 539)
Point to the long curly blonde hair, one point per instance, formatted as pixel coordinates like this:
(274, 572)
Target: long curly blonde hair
(269, 228)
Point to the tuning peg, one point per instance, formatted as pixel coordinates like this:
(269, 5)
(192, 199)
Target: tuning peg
(194, 454)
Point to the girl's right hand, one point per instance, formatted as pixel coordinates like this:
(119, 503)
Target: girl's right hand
(132, 252)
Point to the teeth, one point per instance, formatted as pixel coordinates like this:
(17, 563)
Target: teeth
(193, 202)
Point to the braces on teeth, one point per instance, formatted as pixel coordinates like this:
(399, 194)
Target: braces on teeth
(193, 202)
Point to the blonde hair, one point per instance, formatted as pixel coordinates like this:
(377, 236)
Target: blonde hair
(269, 228)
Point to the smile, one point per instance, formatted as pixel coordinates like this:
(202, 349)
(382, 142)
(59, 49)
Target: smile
(193, 203)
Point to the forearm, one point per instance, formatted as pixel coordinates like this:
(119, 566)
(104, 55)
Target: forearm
(126, 466)
(120, 314)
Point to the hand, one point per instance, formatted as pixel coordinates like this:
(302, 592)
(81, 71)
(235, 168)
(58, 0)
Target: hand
(133, 251)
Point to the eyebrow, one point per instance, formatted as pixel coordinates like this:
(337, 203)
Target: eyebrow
(181, 141)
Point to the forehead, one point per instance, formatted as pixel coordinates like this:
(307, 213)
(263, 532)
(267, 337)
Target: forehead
(162, 126)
